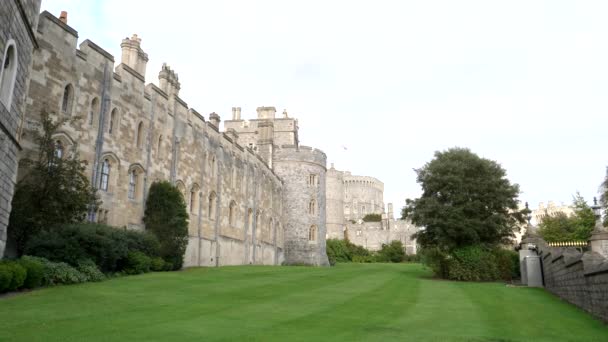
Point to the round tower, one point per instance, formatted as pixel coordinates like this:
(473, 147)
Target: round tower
(303, 172)
(335, 203)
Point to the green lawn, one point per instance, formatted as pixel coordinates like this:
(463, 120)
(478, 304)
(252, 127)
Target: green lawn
(354, 302)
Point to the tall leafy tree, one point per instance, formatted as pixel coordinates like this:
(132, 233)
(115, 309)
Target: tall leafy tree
(167, 218)
(54, 190)
(576, 227)
(466, 200)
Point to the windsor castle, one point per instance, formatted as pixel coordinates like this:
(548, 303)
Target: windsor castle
(254, 194)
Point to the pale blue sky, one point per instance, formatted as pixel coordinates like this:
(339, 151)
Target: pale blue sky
(524, 83)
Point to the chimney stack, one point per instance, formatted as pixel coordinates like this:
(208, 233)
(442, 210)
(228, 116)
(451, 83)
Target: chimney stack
(63, 17)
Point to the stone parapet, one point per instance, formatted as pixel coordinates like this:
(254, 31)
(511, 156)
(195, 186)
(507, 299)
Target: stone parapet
(580, 278)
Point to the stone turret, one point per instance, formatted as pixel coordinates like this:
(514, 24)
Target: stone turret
(132, 54)
(304, 203)
(168, 80)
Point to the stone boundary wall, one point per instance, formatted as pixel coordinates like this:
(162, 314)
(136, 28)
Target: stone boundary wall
(578, 278)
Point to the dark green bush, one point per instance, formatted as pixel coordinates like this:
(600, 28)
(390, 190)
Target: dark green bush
(138, 262)
(6, 276)
(364, 258)
(411, 258)
(88, 268)
(473, 263)
(106, 246)
(158, 264)
(507, 262)
(56, 273)
(18, 277)
(392, 252)
(345, 251)
(437, 260)
(35, 272)
(61, 273)
(337, 251)
(372, 218)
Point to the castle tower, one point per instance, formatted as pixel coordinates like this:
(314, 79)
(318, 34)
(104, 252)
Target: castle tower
(266, 140)
(133, 56)
(303, 173)
(335, 203)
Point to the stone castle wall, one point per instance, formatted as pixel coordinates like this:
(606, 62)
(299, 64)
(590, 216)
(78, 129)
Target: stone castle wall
(18, 20)
(372, 235)
(148, 131)
(579, 278)
(335, 203)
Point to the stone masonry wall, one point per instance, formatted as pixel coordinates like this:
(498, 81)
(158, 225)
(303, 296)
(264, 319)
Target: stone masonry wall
(150, 131)
(578, 278)
(18, 20)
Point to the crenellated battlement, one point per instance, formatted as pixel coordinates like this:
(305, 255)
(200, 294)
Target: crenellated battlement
(300, 154)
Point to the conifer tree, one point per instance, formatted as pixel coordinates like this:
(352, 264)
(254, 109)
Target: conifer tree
(167, 218)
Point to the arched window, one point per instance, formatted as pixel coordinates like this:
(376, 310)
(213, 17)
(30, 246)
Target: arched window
(132, 184)
(312, 233)
(113, 118)
(232, 214)
(181, 188)
(58, 149)
(93, 111)
(8, 74)
(140, 135)
(159, 147)
(136, 173)
(194, 194)
(312, 207)
(105, 175)
(212, 204)
(66, 102)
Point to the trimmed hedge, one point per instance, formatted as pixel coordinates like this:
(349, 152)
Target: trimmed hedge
(88, 268)
(137, 263)
(473, 263)
(106, 246)
(346, 251)
(6, 276)
(35, 272)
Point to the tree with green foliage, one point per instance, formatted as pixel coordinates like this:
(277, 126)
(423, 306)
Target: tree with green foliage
(54, 190)
(167, 218)
(391, 252)
(561, 227)
(466, 200)
(372, 218)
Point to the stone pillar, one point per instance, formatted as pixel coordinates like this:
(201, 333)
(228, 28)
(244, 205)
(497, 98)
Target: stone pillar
(599, 238)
